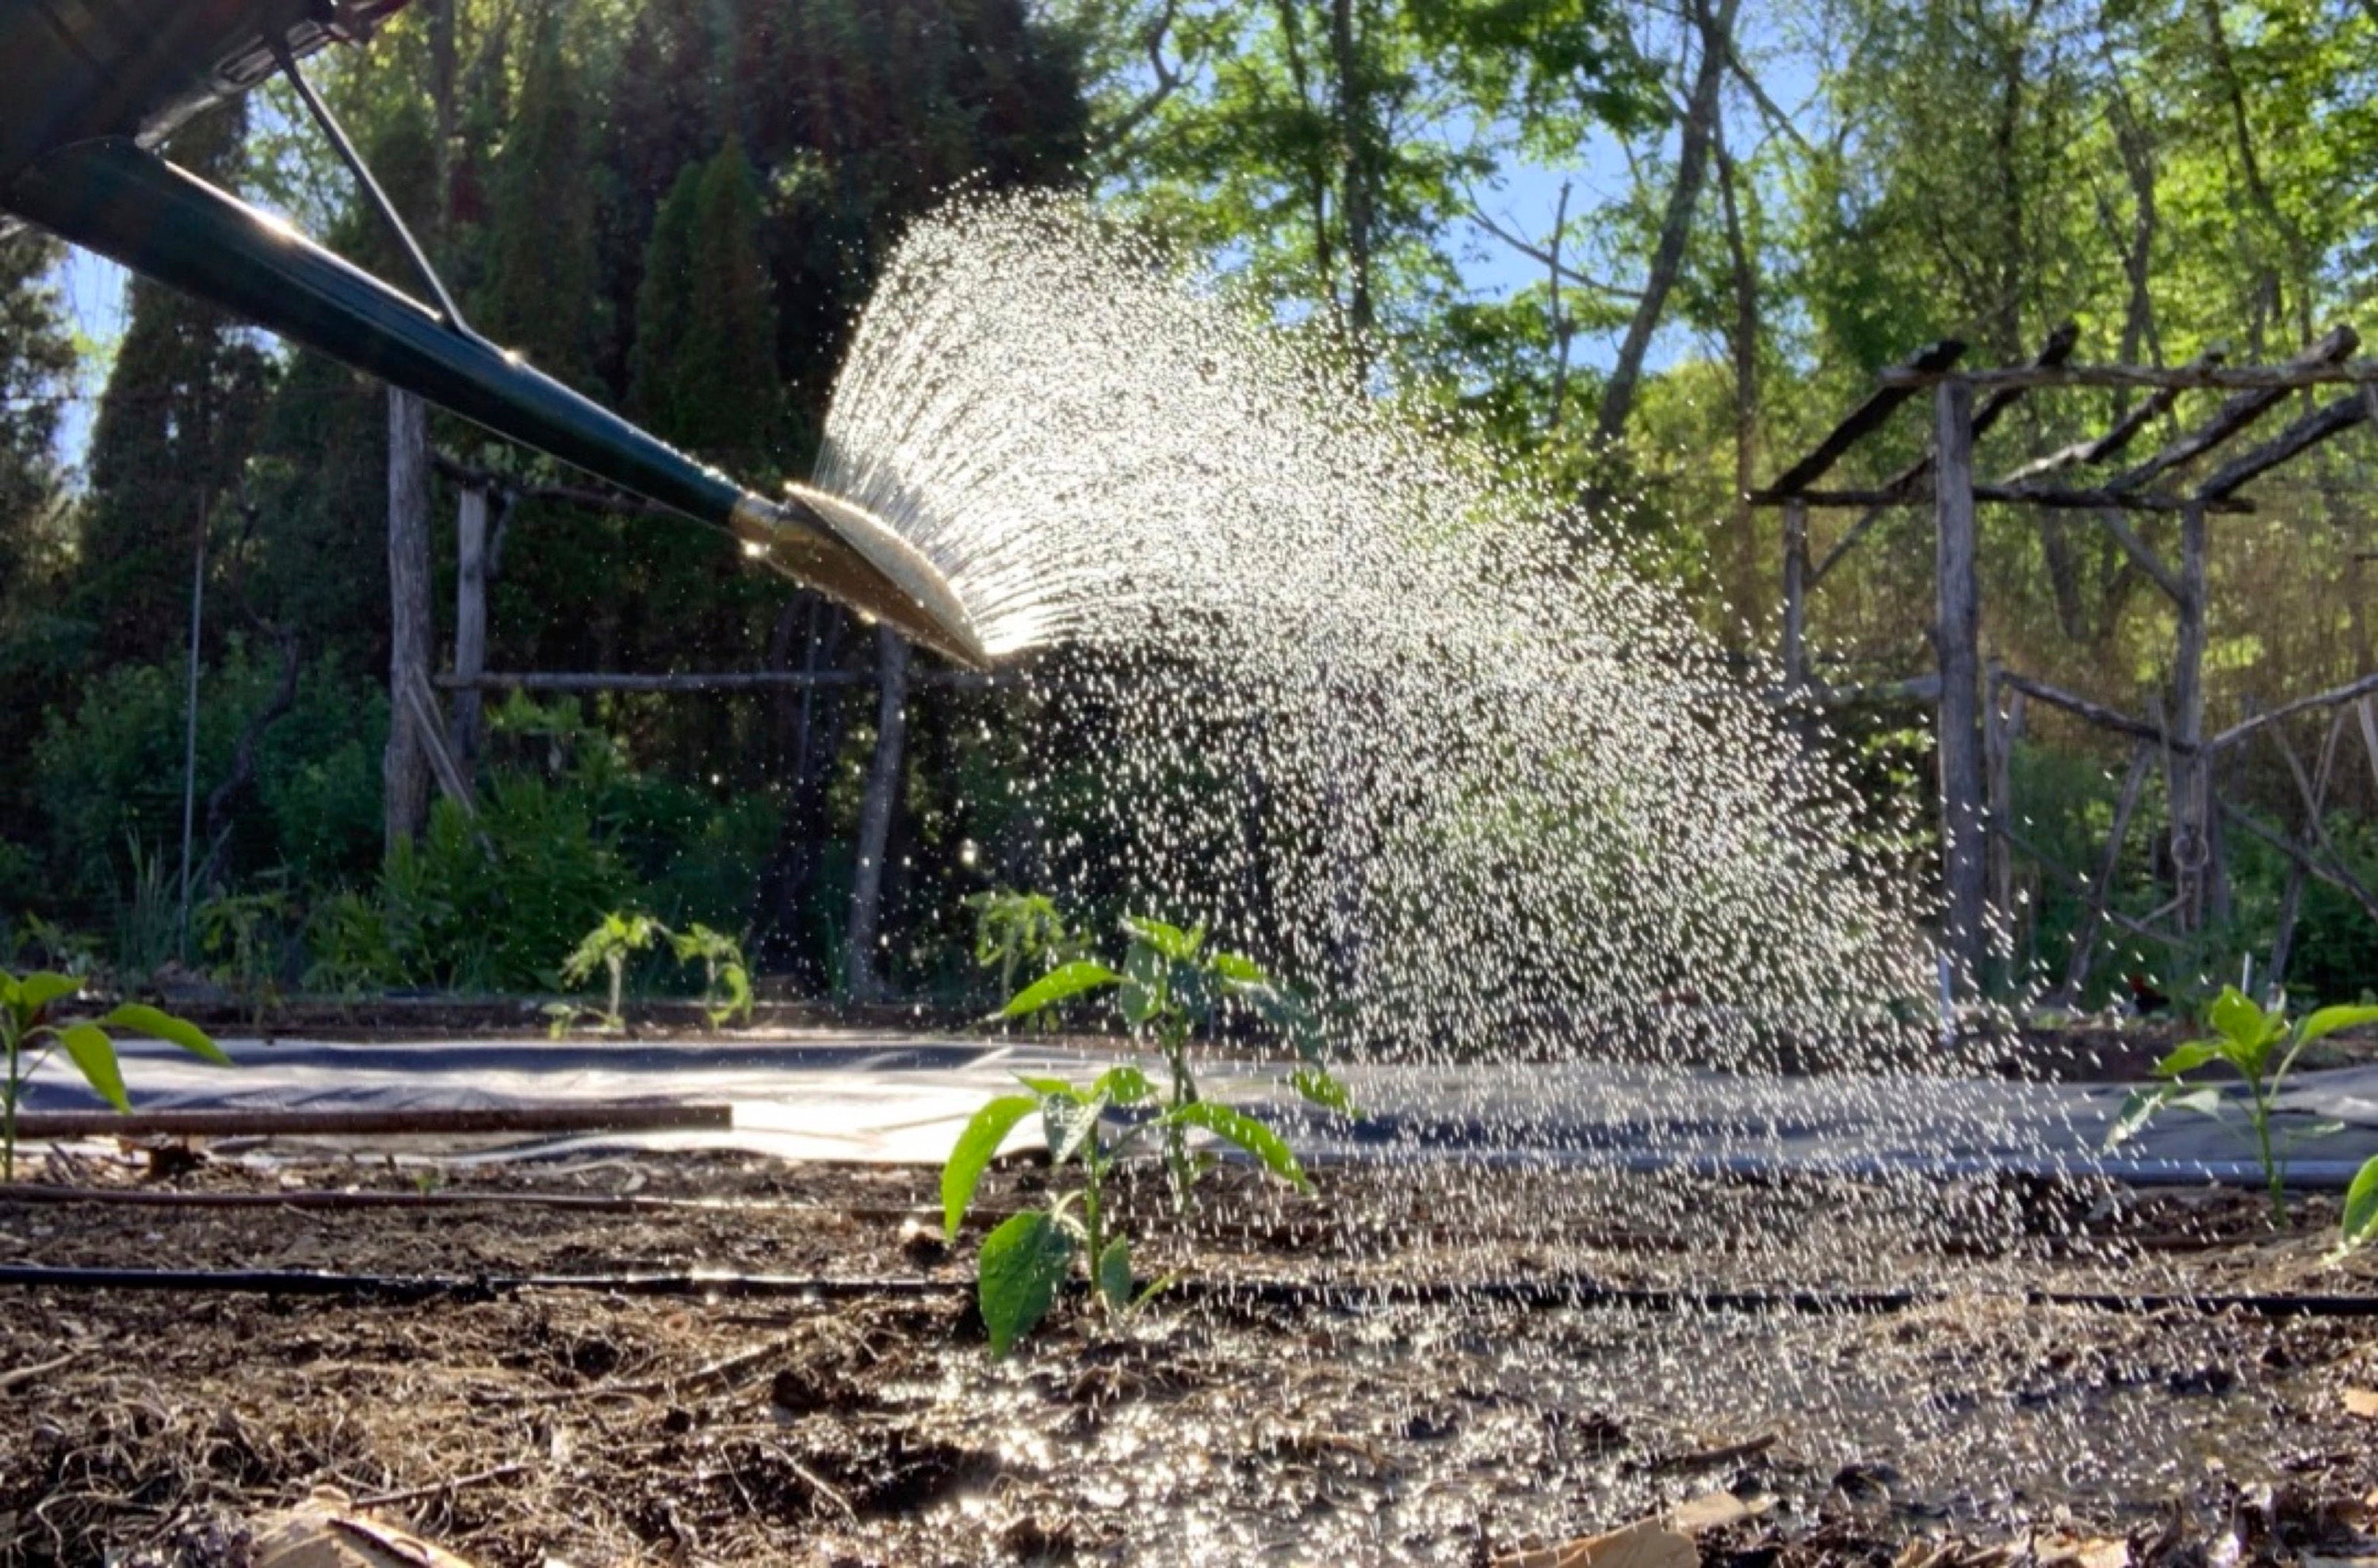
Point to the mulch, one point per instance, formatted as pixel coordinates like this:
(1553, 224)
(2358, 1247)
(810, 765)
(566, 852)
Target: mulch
(1970, 1429)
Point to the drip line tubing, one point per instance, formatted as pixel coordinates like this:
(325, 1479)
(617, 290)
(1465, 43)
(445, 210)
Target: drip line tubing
(468, 1198)
(1552, 1291)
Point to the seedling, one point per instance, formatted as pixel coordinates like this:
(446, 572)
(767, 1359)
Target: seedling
(727, 981)
(1170, 984)
(2261, 1047)
(623, 934)
(30, 1032)
(1021, 933)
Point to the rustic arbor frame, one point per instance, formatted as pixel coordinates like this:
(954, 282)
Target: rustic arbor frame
(1979, 711)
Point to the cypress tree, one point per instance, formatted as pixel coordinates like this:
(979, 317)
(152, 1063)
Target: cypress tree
(707, 319)
(172, 432)
(540, 295)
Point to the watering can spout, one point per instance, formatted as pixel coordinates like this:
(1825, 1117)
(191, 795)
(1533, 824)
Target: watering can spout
(110, 195)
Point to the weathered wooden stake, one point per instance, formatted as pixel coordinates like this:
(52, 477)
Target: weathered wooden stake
(405, 767)
(469, 623)
(1956, 638)
(1795, 595)
(2191, 844)
(875, 812)
(2100, 891)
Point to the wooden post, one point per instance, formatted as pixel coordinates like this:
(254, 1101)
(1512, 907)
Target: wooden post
(1956, 637)
(469, 623)
(2002, 717)
(404, 767)
(875, 814)
(1795, 594)
(2192, 845)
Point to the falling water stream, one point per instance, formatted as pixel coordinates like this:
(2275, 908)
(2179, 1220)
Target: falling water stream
(1412, 721)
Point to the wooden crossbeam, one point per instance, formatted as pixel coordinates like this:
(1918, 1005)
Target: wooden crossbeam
(2240, 411)
(2305, 434)
(2013, 495)
(1862, 421)
(2097, 714)
(2336, 696)
(2055, 351)
(2084, 454)
(2301, 371)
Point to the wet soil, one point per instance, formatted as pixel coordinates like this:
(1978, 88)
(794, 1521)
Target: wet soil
(1911, 1394)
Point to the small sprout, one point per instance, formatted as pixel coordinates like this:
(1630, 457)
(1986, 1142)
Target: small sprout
(1171, 985)
(30, 1030)
(2261, 1047)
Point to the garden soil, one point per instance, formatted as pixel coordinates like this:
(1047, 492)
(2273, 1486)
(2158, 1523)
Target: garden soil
(1909, 1394)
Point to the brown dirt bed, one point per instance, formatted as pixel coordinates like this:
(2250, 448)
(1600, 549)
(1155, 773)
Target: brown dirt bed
(590, 1427)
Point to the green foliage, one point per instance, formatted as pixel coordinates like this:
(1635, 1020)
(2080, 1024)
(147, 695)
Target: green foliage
(244, 937)
(726, 982)
(607, 947)
(1021, 934)
(622, 934)
(32, 1028)
(2261, 1047)
(1171, 983)
(540, 260)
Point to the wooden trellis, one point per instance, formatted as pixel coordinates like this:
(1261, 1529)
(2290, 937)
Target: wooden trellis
(1980, 712)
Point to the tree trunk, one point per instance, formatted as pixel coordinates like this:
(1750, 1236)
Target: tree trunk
(784, 938)
(470, 622)
(1957, 646)
(404, 767)
(1675, 223)
(1745, 353)
(883, 779)
(1356, 136)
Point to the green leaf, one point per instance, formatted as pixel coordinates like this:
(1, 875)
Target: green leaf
(1022, 1264)
(1069, 1121)
(1114, 1272)
(1061, 983)
(1124, 1085)
(38, 990)
(1137, 1002)
(1239, 969)
(1169, 940)
(2360, 1223)
(142, 1019)
(972, 1154)
(2203, 1101)
(2139, 1107)
(1045, 1085)
(1248, 1134)
(2328, 1020)
(1316, 1085)
(95, 1055)
(2235, 1015)
(2190, 1058)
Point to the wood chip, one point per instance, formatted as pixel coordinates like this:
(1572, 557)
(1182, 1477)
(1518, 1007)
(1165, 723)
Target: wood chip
(2361, 1402)
(2084, 1553)
(1715, 1511)
(325, 1532)
(1646, 1543)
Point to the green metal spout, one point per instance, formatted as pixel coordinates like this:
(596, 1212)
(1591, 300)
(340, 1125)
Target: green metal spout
(110, 196)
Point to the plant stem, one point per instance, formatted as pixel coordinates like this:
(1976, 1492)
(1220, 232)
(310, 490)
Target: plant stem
(2273, 1174)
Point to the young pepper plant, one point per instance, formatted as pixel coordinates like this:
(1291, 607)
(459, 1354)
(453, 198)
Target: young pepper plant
(2261, 1046)
(29, 1033)
(1170, 986)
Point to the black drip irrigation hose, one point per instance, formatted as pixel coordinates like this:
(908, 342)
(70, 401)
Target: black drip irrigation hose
(1552, 1291)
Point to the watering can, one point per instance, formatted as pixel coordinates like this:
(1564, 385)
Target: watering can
(88, 87)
